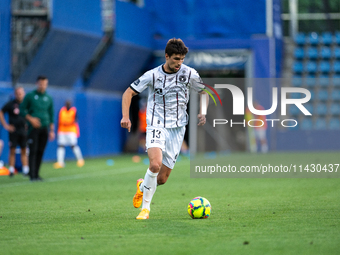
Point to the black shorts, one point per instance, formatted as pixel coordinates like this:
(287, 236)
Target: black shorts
(17, 139)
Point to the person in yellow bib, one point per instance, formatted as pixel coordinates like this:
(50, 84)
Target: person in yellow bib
(68, 133)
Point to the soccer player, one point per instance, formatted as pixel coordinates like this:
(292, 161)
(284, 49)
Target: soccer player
(68, 133)
(168, 86)
(17, 129)
(37, 108)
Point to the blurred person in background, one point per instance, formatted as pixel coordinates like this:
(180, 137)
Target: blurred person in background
(257, 134)
(37, 108)
(17, 129)
(142, 126)
(68, 133)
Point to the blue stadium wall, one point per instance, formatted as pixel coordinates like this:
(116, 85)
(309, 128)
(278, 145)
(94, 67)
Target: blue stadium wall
(98, 118)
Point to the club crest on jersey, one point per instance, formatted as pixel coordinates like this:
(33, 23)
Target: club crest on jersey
(182, 78)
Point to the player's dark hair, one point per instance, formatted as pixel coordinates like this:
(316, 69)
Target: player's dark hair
(176, 46)
(41, 77)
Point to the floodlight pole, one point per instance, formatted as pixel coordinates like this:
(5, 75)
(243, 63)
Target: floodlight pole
(269, 18)
(293, 11)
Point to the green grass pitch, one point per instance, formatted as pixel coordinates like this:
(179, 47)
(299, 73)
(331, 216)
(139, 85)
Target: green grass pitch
(89, 211)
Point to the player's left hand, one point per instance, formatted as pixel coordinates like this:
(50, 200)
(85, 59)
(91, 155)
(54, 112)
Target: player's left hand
(201, 119)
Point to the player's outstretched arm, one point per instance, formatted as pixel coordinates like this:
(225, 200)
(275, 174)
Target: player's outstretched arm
(204, 102)
(126, 102)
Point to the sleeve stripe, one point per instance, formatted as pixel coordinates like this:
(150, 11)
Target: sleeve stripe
(134, 90)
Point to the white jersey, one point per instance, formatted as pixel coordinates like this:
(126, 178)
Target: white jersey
(168, 95)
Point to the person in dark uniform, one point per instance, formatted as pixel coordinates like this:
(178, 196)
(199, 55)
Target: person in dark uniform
(37, 108)
(17, 129)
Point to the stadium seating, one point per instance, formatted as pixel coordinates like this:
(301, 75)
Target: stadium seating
(310, 80)
(316, 67)
(336, 67)
(336, 95)
(325, 53)
(334, 123)
(294, 111)
(312, 53)
(313, 38)
(327, 38)
(297, 67)
(300, 39)
(322, 95)
(309, 107)
(324, 67)
(336, 80)
(299, 53)
(334, 109)
(337, 38)
(310, 67)
(324, 80)
(321, 109)
(336, 53)
(297, 81)
(320, 123)
(306, 124)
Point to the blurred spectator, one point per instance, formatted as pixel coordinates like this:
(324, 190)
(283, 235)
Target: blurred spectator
(68, 133)
(37, 108)
(17, 129)
(257, 134)
(142, 126)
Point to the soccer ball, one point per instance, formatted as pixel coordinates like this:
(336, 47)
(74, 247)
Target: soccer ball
(199, 208)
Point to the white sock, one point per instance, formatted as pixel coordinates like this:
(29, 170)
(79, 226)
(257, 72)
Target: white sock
(25, 169)
(77, 152)
(149, 188)
(11, 169)
(61, 155)
(141, 187)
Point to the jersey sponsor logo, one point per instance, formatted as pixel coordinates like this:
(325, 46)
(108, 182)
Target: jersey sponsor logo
(136, 82)
(159, 91)
(155, 141)
(36, 97)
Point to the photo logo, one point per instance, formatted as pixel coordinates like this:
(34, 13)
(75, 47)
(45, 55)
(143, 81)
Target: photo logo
(239, 104)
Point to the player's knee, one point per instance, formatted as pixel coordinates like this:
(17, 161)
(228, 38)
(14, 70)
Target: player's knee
(155, 166)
